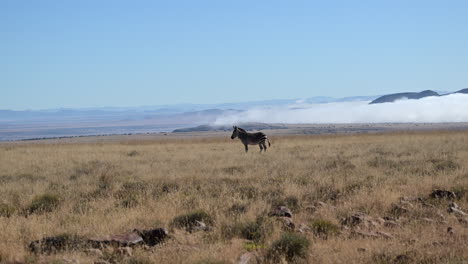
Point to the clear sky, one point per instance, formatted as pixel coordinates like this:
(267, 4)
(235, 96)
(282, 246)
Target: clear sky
(131, 53)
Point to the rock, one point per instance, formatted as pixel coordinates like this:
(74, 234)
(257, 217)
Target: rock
(441, 194)
(124, 251)
(70, 261)
(356, 219)
(390, 223)
(152, 237)
(199, 226)
(322, 204)
(249, 258)
(311, 209)
(463, 220)
(406, 203)
(384, 235)
(94, 252)
(288, 223)
(402, 259)
(454, 208)
(123, 240)
(281, 211)
(428, 220)
(377, 234)
(303, 228)
(364, 234)
(399, 210)
(450, 230)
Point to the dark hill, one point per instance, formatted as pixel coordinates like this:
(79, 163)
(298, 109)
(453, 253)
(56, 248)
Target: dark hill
(463, 91)
(393, 97)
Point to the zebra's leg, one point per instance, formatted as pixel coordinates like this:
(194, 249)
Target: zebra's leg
(261, 148)
(246, 148)
(264, 146)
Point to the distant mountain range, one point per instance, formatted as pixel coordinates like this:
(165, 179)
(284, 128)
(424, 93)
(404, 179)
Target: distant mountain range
(66, 122)
(389, 98)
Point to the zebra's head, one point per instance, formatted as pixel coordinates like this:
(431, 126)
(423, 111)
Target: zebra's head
(235, 133)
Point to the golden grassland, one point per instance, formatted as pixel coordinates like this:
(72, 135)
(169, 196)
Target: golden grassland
(113, 187)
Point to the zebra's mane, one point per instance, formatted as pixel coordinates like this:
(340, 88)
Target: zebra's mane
(242, 130)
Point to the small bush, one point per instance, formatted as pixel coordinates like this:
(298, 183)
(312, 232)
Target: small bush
(291, 246)
(256, 231)
(188, 221)
(6, 210)
(133, 153)
(44, 203)
(324, 228)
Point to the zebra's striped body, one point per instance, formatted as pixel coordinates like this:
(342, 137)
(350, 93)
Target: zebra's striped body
(247, 138)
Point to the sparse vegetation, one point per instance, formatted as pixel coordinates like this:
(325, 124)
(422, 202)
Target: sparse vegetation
(291, 246)
(379, 184)
(324, 228)
(44, 204)
(6, 210)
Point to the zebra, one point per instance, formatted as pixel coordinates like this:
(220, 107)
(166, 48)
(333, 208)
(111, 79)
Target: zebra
(250, 138)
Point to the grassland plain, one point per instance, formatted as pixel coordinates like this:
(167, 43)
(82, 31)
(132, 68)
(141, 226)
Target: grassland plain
(103, 188)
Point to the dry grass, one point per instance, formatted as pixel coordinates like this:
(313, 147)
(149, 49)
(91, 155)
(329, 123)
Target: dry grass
(113, 187)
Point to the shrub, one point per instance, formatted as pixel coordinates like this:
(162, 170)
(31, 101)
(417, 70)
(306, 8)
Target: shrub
(324, 228)
(291, 246)
(188, 221)
(133, 153)
(44, 203)
(255, 230)
(6, 210)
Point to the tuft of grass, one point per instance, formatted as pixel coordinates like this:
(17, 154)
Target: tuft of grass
(6, 210)
(290, 245)
(133, 153)
(188, 221)
(44, 204)
(324, 228)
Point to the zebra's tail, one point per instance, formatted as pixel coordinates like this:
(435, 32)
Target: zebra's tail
(269, 144)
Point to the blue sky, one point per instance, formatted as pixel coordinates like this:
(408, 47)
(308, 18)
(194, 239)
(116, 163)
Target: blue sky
(131, 53)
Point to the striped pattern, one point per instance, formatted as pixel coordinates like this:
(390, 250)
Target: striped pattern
(247, 138)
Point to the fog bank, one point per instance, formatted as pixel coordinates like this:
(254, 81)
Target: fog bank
(450, 108)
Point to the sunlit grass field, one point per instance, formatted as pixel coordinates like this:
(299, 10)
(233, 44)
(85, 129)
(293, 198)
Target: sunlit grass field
(107, 188)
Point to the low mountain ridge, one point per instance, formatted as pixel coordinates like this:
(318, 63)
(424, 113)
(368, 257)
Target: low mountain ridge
(389, 98)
